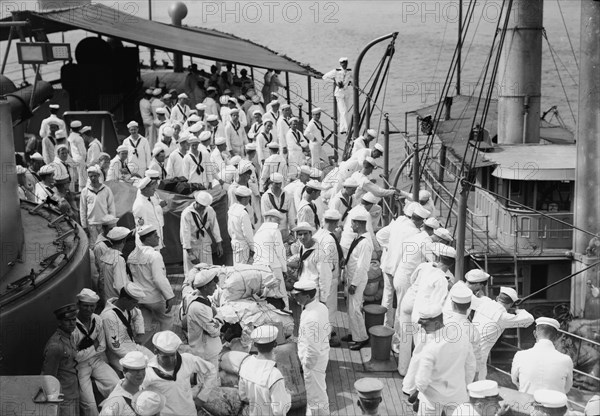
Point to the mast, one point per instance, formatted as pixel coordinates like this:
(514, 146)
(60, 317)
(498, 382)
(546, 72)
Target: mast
(587, 181)
(521, 71)
(460, 30)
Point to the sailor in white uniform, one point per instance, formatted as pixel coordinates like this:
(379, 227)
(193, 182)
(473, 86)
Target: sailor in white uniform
(307, 209)
(484, 400)
(138, 157)
(148, 207)
(342, 77)
(239, 227)
(91, 344)
(542, 366)
(296, 144)
(276, 198)
(552, 402)
(203, 322)
(261, 384)
(263, 138)
(362, 142)
(157, 163)
(256, 126)
(52, 119)
(111, 264)
(365, 185)
(368, 202)
(275, 163)
(283, 126)
(424, 199)
(78, 152)
(96, 201)
(123, 324)
(235, 133)
(94, 146)
(49, 142)
(342, 201)
(212, 108)
(493, 318)
(175, 166)
(167, 139)
(197, 167)
(294, 188)
(199, 230)
(119, 402)
(315, 134)
(181, 111)
(220, 156)
(313, 346)
(169, 373)
(118, 169)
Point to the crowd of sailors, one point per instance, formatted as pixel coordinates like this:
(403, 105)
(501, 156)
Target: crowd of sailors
(320, 234)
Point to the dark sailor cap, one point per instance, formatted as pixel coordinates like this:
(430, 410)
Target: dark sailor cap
(67, 311)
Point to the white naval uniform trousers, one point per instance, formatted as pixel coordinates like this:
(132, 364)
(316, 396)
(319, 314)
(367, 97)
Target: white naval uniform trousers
(358, 261)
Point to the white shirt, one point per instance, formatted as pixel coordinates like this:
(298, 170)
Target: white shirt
(432, 290)
(283, 126)
(175, 166)
(219, 159)
(197, 168)
(77, 147)
(95, 332)
(341, 204)
(203, 330)
(464, 328)
(159, 167)
(328, 251)
(180, 113)
(296, 142)
(45, 125)
(314, 131)
(114, 405)
(359, 261)
(340, 76)
(307, 212)
(269, 248)
(315, 269)
(112, 269)
(313, 336)
(178, 392)
(240, 227)
(93, 152)
(190, 235)
(148, 270)
(401, 229)
(138, 157)
(114, 170)
(147, 211)
(415, 250)
(542, 367)
(262, 385)
(365, 185)
(262, 139)
(273, 163)
(118, 341)
(212, 108)
(95, 205)
(236, 137)
(348, 235)
(282, 203)
(146, 111)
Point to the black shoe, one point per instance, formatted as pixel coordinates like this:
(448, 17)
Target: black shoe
(334, 343)
(346, 338)
(359, 345)
(333, 334)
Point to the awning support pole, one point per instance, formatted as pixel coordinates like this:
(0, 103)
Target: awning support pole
(461, 226)
(287, 86)
(8, 44)
(386, 160)
(416, 179)
(335, 126)
(309, 95)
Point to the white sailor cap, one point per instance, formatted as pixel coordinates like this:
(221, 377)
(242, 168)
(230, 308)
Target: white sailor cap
(88, 296)
(305, 169)
(244, 166)
(372, 132)
(193, 139)
(200, 107)
(343, 59)
(316, 110)
(483, 388)
(193, 118)
(255, 99)
(75, 124)
(60, 134)
(146, 229)
(432, 223)
(134, 290)
(250, 147)
(94, 169)
(350, 183)
(273, 145)
(85, 129)
(152, 174)
(20, 170)
(122, 148)
(304, 286)
(132, 124)
(379, 147)
(430, 311)
(234, 110)
(36, 156)
(182, 95)
(183, 137)
(148, 403)
(476, 276)
(168, 131)
(285, 106)
(371, 162)
(421, 212)
(332, 214)
(156, 92)
(460, 293)
(158, 147)
(440, 249)
(161, 110)
(218, 140)
(235, 160)
(370, 198)
(359, 214)
(314, 184)
(204, 136)
(274, 103)
(296, 119)
(166, 342)
(424, 195)
(46, 170)
(211, 89)
(196, 127)
(212, 117)
(276, 177)
(202, 277)
(510, 292)
(109, 219)
(167, 96)
(315, 173)
(368, 388)
(223, 100)
(550, 399)
(274, 213)
(54, 106)
(118, 233)
(134, 360)
(203, 198)
(264, 334)
(243, 191)
(548, 321)
(303, 226)
(257, 113)
(142, 183)
(443, 233)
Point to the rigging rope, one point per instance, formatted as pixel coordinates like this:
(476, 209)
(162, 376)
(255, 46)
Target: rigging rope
(568, 36)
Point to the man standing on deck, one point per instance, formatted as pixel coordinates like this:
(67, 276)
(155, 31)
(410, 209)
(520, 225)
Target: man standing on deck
(147, 116)
(175, 165)
(138, 157)
(52, 119)
(239, 227)
(263, 138)
(283, 126)
(148, 207)
(60, 360)
(364, 183)
(307, 210)
(212, 108)
(313, 346)
(49, 142)
(119, 402)
(492, 318)
(362, 142)
(118, 169)
(78, 152)
(342, 77)
(91, 344)
(96, 202)
(342, 201)
(276, 199)
(274, 163)
(181, 111)
(315, 135)
(149, 272)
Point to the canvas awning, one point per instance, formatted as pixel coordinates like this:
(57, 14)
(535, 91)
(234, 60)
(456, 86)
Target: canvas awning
(196, 42)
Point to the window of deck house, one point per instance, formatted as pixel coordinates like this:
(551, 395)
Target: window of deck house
(554, 196)
(521, 192)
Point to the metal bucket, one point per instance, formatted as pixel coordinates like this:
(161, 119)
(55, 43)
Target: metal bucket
(374, 315)
(381, 342)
